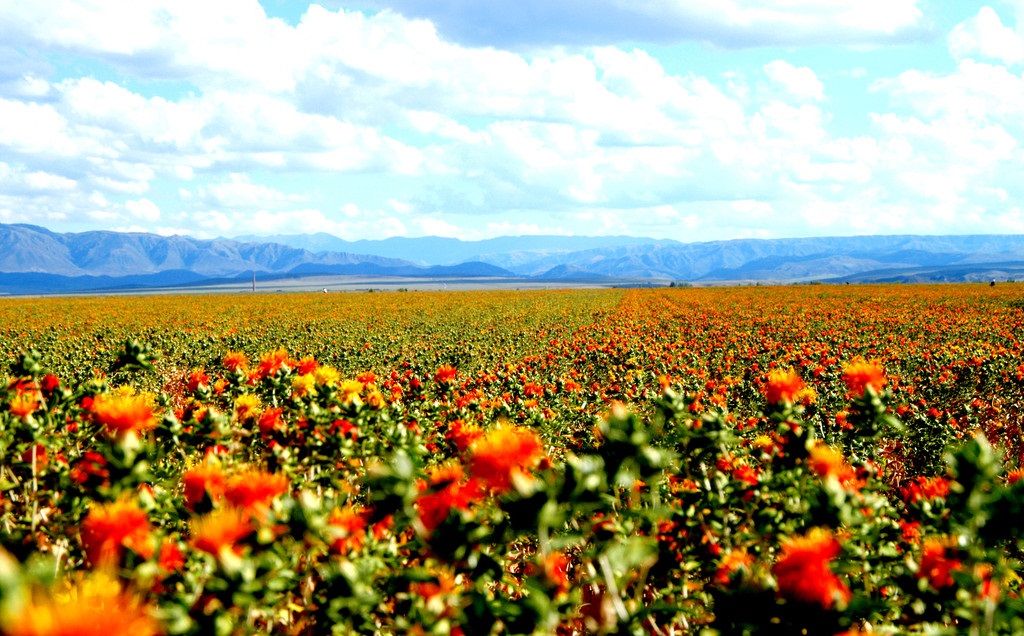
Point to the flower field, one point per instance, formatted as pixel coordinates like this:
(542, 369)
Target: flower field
(809, 459)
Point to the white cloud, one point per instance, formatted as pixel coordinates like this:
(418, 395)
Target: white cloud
(14, 179)
(985, 35)
(799, 81)
(143, 210)
(238, 191)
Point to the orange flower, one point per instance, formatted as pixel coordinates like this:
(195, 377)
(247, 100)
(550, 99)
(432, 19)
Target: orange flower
(253, 490)
(197, 379)
(220, 530)
(91, 608)
(368, 378)
(235, 360)
(556, 570)
(24, 404)
(462, 435)
(860, 374)
(108, 529)
(731, 563)
(429, 590)
(786, 387)
(938, 562)
(270, 364)
(124, 413)
(502, 453)
(828, 463)
(203, 479)
(803, 571)
(349, 524)
(445, 374)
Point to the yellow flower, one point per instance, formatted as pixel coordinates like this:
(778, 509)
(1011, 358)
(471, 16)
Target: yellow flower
(327, 376)
(350, 390)
(302, 385)
(247, 406)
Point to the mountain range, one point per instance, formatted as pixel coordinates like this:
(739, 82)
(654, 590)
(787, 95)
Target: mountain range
(37, 260)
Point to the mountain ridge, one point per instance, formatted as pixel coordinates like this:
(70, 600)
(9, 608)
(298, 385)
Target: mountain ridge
(34, 259)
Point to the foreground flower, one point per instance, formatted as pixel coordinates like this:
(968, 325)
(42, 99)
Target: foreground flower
(859, 375)
(803, 573)
(446, 488)
(556, 570)
(503, 453)
(124, 413)
(247, 407)
(445, 374)
(270, 363)
(254, 490)
(926, 489)
(95, 607)
(220, 531)
(786, 387)
(938, 562)
(348, 526)
(732, 562)
(24, 404)
(828, 463)
(302, 385)
(108, 529)
(204, 479)
(235, 361)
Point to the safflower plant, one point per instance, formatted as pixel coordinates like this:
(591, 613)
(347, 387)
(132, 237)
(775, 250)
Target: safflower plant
(266, 493)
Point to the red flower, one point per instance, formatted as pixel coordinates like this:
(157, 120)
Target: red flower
(368, 378)
(270, 364)
(502, 453)
(926, 488)
(306, 365)
(91, 465)
(556, 570)
(938, 562)
(745, 474)
(201, 480)
(447, 488)
(349, 526)
(49, 384)
(803, 573)
(170, 559)
(108, 529)
(270, 420)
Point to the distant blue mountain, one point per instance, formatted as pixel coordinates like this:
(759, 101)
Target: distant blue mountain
(36, 260)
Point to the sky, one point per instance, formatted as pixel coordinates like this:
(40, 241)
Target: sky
(671, 119)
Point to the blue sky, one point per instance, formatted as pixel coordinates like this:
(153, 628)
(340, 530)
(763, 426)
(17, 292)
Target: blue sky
(479, 118)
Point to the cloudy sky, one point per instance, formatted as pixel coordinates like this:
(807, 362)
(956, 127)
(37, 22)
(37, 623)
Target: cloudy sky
(477, 118)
